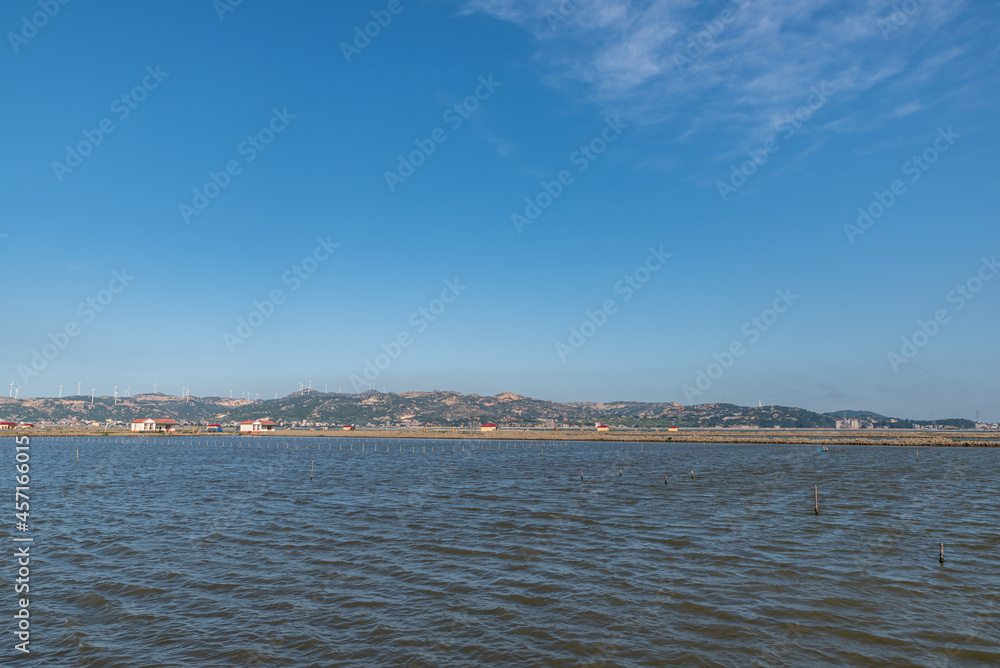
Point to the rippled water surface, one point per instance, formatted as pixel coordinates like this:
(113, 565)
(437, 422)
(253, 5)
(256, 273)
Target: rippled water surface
(220, 551)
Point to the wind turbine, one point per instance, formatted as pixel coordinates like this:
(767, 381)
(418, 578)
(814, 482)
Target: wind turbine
(17, 392)
(154, 388)
(60, 391)
(11, 390)
(92, 390)
(116, 395)
(128, 392)
(78, 388)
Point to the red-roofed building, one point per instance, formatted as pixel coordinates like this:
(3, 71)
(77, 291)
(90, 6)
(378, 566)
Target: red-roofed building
(150, 424)
(603, 427)
(489, 426)
(348, 427)
(256, 426)
(8, 425)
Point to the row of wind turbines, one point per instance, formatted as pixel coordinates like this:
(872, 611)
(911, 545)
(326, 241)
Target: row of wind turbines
(15, 392)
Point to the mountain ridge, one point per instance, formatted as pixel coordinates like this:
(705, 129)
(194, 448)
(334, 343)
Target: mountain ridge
(433, 408)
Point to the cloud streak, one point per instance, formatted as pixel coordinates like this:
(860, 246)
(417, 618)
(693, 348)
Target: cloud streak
(731, 64)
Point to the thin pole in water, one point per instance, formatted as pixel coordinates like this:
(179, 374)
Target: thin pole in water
(581, 474)
(78, 458)
(311, 469)
(941, 558)
(816, 507)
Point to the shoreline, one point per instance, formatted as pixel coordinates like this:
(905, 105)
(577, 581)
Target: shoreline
(819, 437)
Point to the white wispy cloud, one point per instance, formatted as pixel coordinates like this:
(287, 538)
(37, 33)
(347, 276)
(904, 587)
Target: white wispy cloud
(733, 64)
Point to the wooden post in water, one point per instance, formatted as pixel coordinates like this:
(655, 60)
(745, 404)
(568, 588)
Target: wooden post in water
(941, 558)
(312, 467)
(78, 455)
(581, 474)
(692, 474)
(664, 478)
(816, 497)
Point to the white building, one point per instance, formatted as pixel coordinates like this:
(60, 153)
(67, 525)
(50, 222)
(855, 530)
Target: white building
(153, 425)
(848, 424)
(256, 426)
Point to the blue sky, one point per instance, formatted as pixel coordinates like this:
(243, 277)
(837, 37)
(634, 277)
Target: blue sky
(737, 137)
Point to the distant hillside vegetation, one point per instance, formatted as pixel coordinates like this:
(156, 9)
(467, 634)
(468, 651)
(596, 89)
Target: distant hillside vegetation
(441, 409)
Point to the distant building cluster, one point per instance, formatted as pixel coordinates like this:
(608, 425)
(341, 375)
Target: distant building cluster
(150, 424)
(256, 426)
